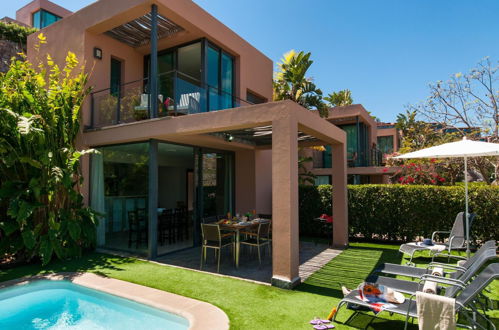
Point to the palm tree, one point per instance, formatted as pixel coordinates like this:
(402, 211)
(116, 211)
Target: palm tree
(291, 83)
(339, 99)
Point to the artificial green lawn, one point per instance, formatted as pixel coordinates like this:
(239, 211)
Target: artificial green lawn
(250, 305)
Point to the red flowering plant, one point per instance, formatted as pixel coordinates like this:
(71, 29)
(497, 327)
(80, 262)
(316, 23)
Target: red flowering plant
(419, 173)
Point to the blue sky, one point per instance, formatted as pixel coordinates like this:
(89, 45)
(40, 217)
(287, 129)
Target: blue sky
(385, 51)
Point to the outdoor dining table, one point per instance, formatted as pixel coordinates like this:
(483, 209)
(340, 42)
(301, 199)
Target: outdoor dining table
(236, 228)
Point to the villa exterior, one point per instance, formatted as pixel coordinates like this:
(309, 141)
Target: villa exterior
(160, 71)
(368, 144)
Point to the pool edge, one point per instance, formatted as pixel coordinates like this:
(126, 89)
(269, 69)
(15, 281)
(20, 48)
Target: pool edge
(201, 315)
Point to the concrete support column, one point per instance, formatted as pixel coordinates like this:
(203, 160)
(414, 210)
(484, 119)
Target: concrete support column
(285, 230)
(340, 196)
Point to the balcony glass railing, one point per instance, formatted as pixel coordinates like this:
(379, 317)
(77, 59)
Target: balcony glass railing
(179, 95)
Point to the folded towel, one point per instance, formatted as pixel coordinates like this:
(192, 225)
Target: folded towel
(430, 287)
(460, 263)
(437, 271)
(435, 312)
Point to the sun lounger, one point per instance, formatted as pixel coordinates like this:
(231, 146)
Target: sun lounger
(456, 240)
(464, 299)
(417, 272)
(456, 279)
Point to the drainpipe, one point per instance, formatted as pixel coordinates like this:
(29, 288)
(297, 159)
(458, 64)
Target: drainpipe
(153, 103)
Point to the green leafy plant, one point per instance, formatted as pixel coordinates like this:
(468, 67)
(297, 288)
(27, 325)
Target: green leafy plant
(42, 213)
(403, 212)
(15, 33)
(291, 82)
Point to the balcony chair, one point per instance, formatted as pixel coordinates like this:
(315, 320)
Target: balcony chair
(259, 239)
(189, 103)
(212, 238)
(144, 103)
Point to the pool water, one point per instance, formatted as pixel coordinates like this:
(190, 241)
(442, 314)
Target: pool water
(63, 305)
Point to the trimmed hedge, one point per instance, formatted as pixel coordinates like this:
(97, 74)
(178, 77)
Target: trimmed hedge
(403, 212)
(15, 33)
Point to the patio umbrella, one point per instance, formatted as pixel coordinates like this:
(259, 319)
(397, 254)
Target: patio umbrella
(460, 149)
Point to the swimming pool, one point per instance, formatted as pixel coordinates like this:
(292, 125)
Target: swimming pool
(47, 304)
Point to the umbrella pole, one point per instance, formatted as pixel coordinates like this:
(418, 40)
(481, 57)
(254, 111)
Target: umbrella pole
(466, 207)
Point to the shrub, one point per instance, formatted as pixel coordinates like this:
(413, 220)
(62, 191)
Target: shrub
(15, 33)
(404, 212)
(41, 207)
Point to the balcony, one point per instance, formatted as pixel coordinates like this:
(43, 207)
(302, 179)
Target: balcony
(371, 157)
(179, 95)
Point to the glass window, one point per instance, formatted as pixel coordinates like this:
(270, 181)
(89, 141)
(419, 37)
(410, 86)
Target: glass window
(37, 22)
(227, 76)
(351, 131)
(43, 18)
(189, 61)
(120, 183)
(385, 144)
(327, 157)
(213, 77)
(322, 179)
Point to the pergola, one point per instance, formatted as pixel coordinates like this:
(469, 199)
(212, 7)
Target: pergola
(286, 126)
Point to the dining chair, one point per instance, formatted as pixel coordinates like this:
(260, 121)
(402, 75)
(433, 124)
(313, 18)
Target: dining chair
(212, 238)
(137, 225)
(261, 238)
(166, 229)
(211, 219)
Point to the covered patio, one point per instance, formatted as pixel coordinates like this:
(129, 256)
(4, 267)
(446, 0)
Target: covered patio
(266, 170)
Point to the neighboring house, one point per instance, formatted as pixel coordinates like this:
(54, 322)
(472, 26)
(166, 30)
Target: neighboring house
(41, 13)
(161, 71)
(368, 143)
(38, 14)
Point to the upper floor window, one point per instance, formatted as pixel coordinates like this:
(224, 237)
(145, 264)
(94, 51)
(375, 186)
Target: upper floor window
(385, 144)
(43, 18)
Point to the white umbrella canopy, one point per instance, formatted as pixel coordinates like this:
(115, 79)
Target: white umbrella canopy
(460, 149)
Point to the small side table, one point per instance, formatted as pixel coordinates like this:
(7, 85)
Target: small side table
(411, 248)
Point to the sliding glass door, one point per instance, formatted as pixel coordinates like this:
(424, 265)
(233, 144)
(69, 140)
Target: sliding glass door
(192, 183)
(216, 183)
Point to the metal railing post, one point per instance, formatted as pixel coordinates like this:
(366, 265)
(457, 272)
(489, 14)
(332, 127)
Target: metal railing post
(118, 107)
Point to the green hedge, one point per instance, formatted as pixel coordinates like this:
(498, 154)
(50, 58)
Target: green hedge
(403, 212)
(15, 33)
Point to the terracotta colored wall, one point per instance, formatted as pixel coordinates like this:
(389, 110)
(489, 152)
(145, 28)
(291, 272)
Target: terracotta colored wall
(263, 166)
(24, 14)
(245, 181)
(100, 70)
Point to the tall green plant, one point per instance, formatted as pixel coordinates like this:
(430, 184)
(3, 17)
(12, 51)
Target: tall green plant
(291, 82)
(41, 208)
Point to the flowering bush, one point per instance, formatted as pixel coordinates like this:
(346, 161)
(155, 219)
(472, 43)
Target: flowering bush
(419, 173)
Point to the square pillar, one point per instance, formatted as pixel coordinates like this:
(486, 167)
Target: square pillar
(340, 195)
(285, 229)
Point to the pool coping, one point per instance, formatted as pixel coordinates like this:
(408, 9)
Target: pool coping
(201, 315)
